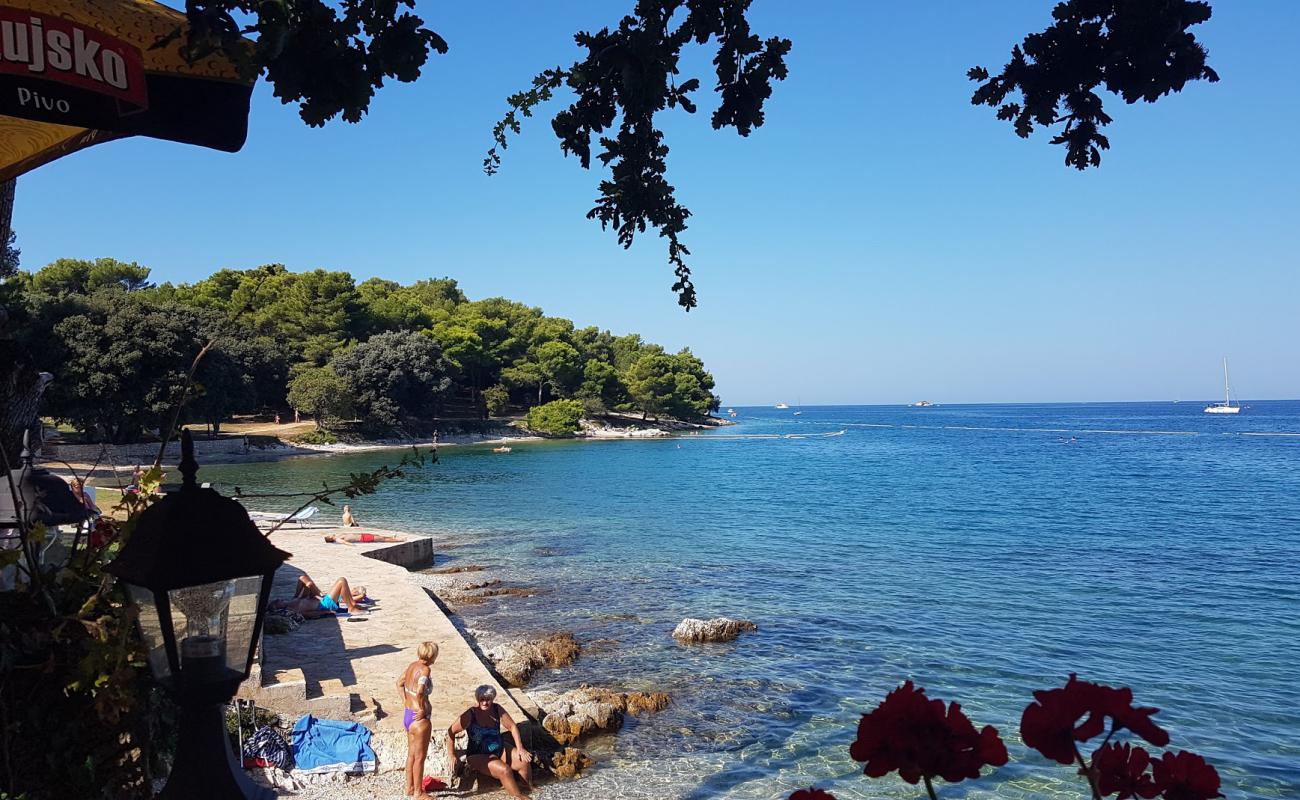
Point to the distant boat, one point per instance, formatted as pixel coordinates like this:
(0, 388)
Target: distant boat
(797, 413)
(501, 449)
(731, 411)
(922, 404)
(782, 405)
(1226, 407)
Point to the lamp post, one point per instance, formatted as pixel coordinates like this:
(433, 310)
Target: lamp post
(200, 573)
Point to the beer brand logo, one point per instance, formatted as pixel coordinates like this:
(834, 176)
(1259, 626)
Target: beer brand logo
(56, 49)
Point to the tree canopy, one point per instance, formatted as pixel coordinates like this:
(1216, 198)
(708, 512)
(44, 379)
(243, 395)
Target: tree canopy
(1137, 50)
(396, 356)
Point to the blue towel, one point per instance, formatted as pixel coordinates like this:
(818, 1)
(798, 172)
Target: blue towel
(327, 745)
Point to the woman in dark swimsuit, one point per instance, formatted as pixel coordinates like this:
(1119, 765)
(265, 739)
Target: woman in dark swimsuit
(488, 753)
(415, 685)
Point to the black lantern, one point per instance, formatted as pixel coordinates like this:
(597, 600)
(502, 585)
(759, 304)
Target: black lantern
(200, 573)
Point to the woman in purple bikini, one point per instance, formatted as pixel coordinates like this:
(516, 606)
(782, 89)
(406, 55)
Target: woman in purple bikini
(415, 685)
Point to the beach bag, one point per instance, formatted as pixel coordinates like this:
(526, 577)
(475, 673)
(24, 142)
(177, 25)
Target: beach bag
(266, 748)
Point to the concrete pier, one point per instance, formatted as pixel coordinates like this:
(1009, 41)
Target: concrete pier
(347, 667)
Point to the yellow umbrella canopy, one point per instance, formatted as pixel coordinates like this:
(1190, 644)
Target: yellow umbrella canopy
(78, 72)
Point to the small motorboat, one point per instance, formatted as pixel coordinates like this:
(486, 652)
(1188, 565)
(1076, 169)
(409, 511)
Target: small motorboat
(502, 449)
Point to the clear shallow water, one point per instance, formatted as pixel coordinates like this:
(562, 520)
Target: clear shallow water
(974, 549)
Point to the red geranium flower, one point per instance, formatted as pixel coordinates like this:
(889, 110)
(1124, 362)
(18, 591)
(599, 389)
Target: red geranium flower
(811, 794)
(1186, 776)
(1052, 724)
(1119, 706)
(917, 736)
(104, 532)
(1123, 769)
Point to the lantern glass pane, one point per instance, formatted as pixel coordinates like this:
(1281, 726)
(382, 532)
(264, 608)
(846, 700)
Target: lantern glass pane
(241, 620)
(151, 630)
(199, 615)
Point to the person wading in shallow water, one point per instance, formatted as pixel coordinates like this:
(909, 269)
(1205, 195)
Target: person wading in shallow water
(488, 753)
(415, 685)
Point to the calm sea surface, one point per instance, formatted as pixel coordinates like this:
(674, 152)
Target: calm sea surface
(982, 551)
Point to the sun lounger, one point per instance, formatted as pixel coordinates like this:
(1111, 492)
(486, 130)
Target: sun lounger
(300, 517)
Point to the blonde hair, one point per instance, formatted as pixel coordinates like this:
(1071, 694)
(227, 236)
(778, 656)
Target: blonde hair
(427, 652)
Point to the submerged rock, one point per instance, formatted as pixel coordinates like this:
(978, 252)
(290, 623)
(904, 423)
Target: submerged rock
(719, 629)
(588, 709)
(454, 570)
(570, 761)
(518, 661)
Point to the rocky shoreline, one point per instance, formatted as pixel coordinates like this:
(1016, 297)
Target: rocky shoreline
(568, 717)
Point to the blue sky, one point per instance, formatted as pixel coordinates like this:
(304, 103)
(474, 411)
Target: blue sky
(878, 240)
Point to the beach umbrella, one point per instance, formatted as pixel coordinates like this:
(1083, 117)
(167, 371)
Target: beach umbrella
(74, 73)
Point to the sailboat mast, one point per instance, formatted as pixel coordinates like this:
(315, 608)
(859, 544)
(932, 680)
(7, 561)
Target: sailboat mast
(1226, 399)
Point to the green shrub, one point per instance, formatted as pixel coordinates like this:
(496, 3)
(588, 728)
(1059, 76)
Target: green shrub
(497, 400)
(315, 437)
(556, 418)
(262, 441)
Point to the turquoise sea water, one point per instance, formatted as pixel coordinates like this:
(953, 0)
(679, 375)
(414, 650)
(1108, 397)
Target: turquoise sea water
(982, 551)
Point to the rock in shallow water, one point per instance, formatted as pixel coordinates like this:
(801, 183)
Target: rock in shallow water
(570, 761)
(719, 629)
(588, 709)
(516, 662)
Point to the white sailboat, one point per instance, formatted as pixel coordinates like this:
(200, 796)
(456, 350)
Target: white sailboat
(1226, 407)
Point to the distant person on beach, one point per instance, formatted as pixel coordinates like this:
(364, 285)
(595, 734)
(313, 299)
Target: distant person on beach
(309, 601)
(137, 475)
(415, 684)
(349, 521)
(361, 538)
(488, 752)
(86, 496)
(296, 417)
(277, 419)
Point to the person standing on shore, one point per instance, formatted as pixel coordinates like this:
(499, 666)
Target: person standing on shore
(415, 684)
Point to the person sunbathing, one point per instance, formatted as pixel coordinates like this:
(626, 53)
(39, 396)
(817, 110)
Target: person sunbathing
(309, 601)
(361, 538)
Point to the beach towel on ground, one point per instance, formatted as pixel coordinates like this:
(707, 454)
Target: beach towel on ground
(327, 745)
(266, 748)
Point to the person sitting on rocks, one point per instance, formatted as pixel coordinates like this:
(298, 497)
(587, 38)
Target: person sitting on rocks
(309, 601)
(361, 538)
(488, 754)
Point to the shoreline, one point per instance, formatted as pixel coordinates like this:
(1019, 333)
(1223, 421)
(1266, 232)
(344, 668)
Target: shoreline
(115, 460)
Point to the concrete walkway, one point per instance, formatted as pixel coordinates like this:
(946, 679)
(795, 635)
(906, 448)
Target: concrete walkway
(347, 667)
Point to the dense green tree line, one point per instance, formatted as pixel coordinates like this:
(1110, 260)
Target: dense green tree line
(121, 348)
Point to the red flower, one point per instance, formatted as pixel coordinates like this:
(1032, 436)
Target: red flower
(104, 532)
(1186, 776)
(1052, 724)
(811, 794)
(1123, 769)
(918, 737)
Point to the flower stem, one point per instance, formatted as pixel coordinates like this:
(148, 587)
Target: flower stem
(1087, 773)
(929, 787)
